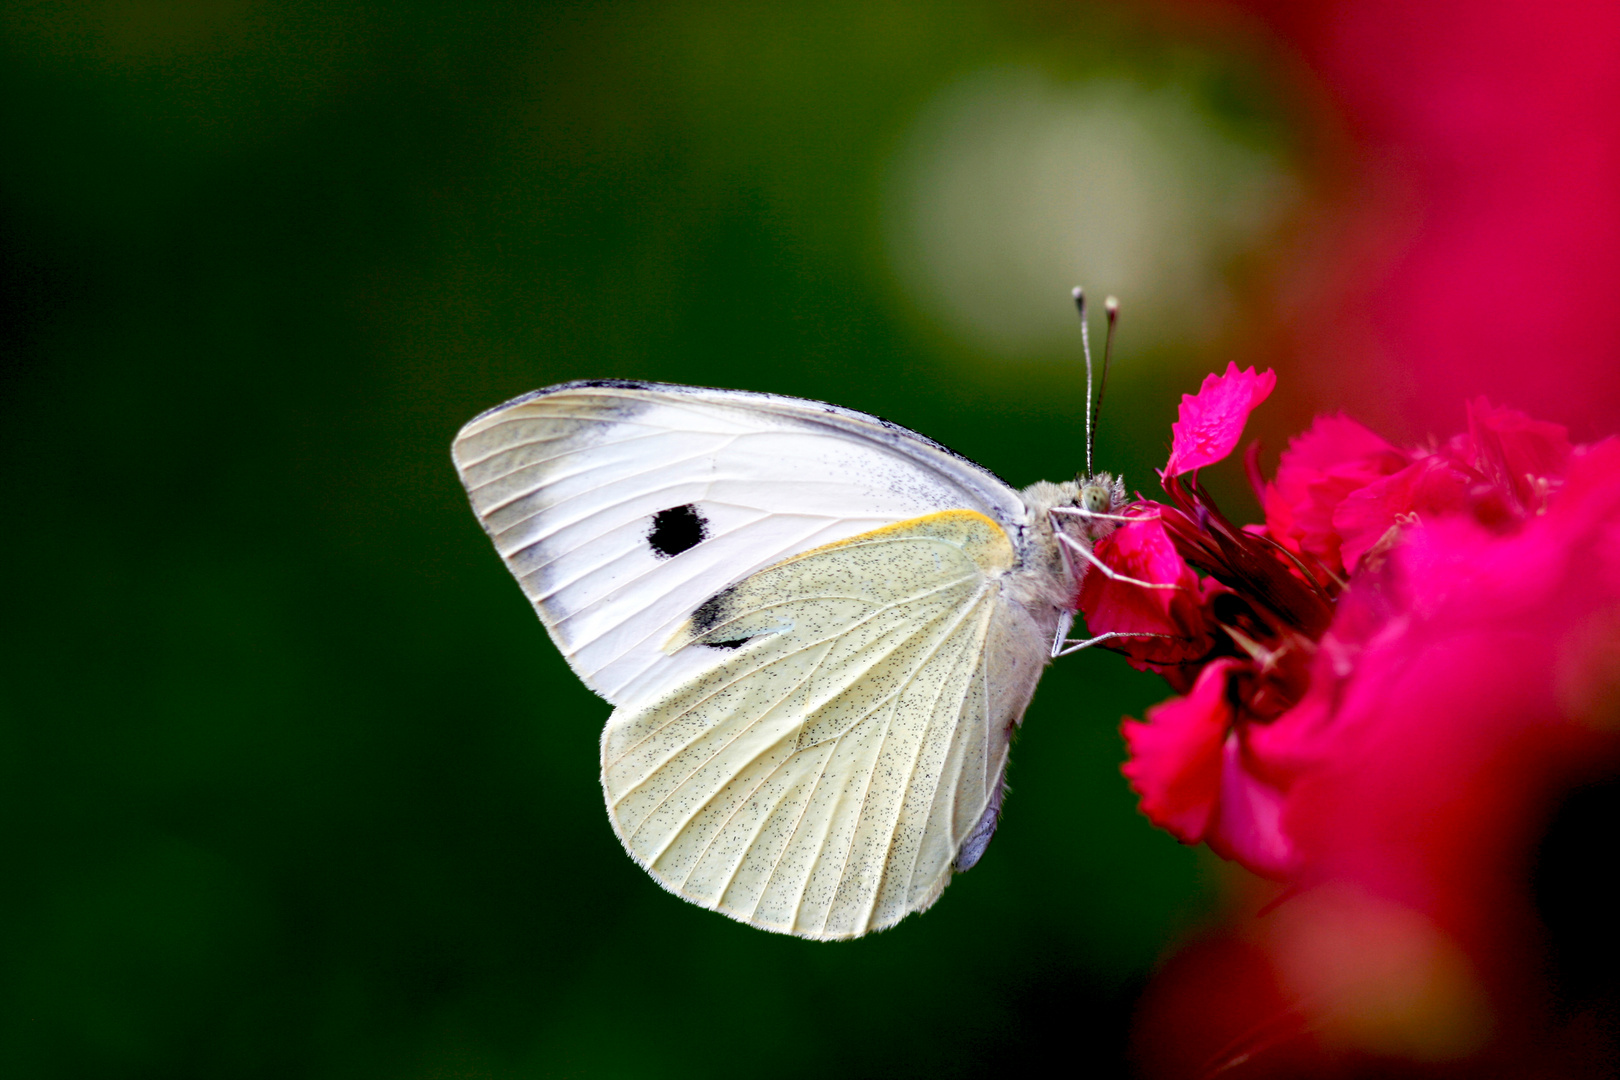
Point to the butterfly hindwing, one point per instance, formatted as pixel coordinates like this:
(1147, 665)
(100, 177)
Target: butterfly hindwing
(822, 778)
(620, 507)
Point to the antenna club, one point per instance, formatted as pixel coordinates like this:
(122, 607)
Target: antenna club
(1085, 347)
(1111, 305)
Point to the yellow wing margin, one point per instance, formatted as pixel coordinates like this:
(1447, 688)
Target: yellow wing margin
(820, 780)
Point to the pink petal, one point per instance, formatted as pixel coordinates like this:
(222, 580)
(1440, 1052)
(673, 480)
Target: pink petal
(1594, 469)
(1144, 551)
(1463, 678)
(1248, 826)
(1176, 756)
(1516, 453)
(1211, 421)
(1318, 471)
(1430, 487)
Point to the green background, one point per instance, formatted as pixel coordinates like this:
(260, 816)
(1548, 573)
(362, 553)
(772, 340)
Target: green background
(291, 781)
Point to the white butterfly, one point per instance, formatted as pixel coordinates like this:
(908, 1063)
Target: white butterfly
(819, 630)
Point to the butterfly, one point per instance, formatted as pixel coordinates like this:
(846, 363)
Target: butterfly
(819, 631)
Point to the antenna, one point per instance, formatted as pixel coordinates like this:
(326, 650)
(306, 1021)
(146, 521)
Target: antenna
(1085, 347)
(1111, 306)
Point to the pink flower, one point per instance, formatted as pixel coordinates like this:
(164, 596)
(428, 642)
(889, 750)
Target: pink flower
(1254, 643)
(1239, 641)
(1175, 758)
(1189, 765)
(1145, 552)
(1382, 689)
(1464, 680)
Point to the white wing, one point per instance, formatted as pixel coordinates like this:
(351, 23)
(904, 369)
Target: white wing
(620, 507)
(823, 778)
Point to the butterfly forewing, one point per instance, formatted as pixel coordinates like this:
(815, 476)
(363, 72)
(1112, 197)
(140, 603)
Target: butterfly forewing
(822, 777)
(621, 507)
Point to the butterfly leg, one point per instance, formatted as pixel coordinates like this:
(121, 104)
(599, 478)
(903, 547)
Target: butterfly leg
(1065, 623)
(1076, 646)
(1090, 515)
(1071, 544)
(1063, 645)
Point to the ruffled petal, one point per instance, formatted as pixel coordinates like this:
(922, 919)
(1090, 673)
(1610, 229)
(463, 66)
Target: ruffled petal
(1176, 756)
(1143, 550)
(1428, 488)
(1211, 421)
(1248, 825)
(1322, 467)
(1519, 456)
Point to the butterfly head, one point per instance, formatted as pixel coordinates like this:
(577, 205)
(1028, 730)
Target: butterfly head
(1098, 501)
(1069, 518)
(1085, 509)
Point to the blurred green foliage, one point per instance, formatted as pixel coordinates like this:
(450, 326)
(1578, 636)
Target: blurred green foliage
(291, 781)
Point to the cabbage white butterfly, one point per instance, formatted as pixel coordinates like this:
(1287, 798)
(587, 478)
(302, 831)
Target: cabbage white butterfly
(819, 630)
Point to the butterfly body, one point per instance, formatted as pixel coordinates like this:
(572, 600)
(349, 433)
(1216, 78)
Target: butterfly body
(819, 629)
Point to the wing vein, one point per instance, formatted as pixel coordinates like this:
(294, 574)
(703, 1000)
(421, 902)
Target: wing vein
(745, 729)
(866, 790)
(652, 467)
(591, 607)
(776, 865)
(808, 712)
(833, 636)
(571, 451)
(917, 853)
(742, 804)
(911, 772)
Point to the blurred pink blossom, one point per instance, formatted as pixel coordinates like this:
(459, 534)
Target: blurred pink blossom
(1382, 691)
(1475, 244)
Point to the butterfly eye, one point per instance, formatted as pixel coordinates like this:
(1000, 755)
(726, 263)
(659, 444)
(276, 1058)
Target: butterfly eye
(678, 529)
(1096, 498)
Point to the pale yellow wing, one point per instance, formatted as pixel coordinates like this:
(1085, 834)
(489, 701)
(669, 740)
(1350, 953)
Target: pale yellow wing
(823, 777)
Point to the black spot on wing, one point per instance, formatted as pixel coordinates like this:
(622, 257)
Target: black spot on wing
(678, 529)
(711, 613)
